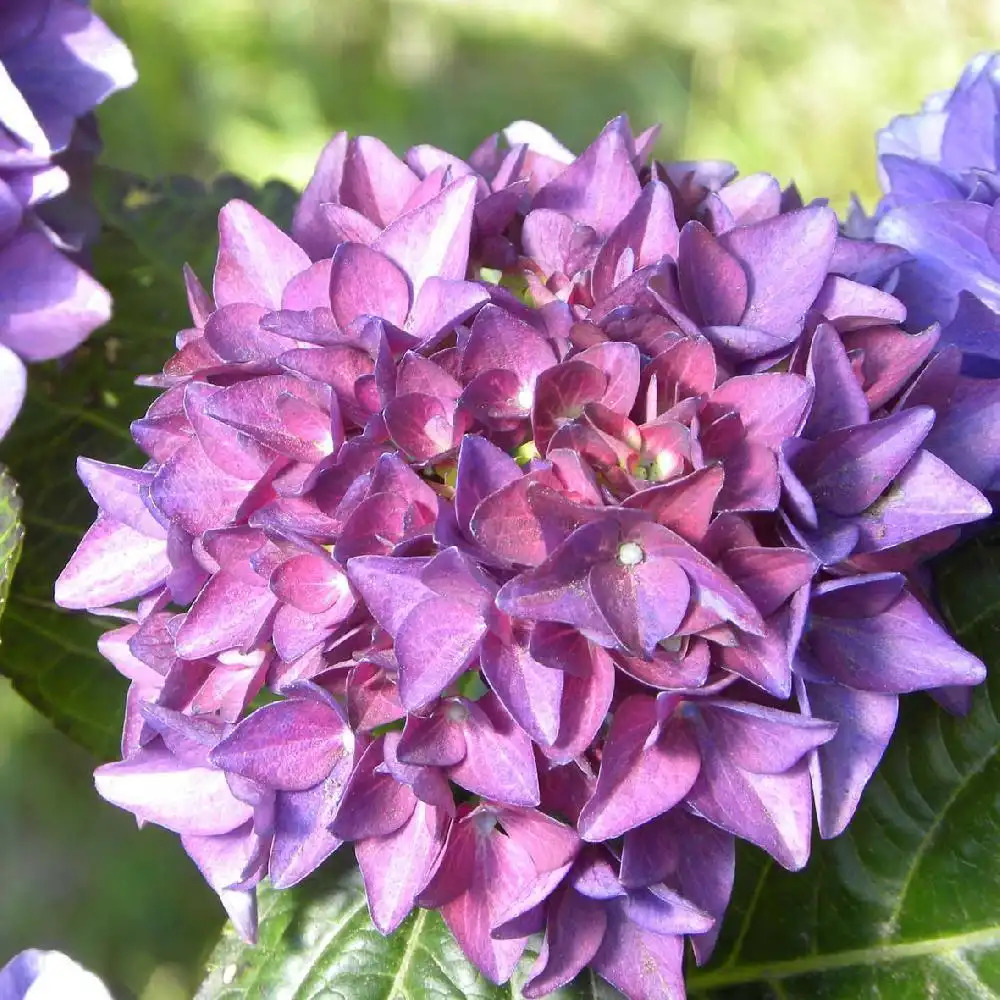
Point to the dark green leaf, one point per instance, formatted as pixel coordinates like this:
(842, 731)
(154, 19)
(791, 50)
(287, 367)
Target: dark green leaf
(11, 533)
(906, 904)
(317, 943)
(83, 405)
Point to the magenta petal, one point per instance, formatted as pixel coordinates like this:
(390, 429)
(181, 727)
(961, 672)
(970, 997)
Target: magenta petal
(498, 339)
(310, 582)
(118, 491)
(230, 612)
(288, 745)
(364, 282)
(768, 577)
(192, 491)
(505, 525)
(308, 226)
(649, 231)
(499, 869)
(585, 704)
(771, 406)
(433, 240)
(231, 450)
(160, 789)
(436, 741)
(483, 468)
(552, 591)
(499, 763)
(849, 305)
(841, 768)
(441, 305)
(684, 505)
(398, 866)
(642, 775)
(256, 259)
(375, 181)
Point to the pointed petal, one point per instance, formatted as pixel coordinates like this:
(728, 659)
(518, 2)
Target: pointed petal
(256, 259)
(642, 775)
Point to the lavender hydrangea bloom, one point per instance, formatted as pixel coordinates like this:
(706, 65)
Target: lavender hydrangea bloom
(48, 975)
(551, 499)
(941, 175)
(58, 60)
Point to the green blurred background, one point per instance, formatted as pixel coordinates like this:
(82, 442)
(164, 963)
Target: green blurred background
(795, 87)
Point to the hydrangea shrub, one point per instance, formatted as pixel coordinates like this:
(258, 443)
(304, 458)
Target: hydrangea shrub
(541, 526)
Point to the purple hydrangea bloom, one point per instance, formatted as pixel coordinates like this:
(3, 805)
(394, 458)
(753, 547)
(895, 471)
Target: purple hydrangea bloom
(572, 514)
(37, 975)
(58, 60)
(941, 176)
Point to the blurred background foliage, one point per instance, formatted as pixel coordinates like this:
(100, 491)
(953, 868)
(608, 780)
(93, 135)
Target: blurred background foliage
(256, 88)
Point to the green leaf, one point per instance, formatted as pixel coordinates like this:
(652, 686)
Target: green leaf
(317, 941)
(906, 904)
(83, 405)
(11, 533)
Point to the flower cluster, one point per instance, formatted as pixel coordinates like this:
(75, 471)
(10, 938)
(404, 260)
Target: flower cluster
(540, 525)
(58, 60)
(941, 173)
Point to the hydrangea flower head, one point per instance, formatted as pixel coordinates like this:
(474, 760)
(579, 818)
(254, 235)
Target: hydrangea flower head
(570, 511)
(941, 174)
(57, 61)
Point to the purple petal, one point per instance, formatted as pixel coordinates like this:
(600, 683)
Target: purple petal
(529, 690)
(287, 745)
(841, 768)
(159, 789)
(713, 281)
(643, 773)
(574, 929)
(847, 470)
(499, 763)
(256, 259)
(600, 186)
(643, 965)
(433, 240)
(112, 563)
(396, 868)
(787, 259)
(364, 282)
(902, 649)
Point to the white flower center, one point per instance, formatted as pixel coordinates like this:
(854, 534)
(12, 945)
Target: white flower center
(525, 397)
(666, 465)
(630, 554)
